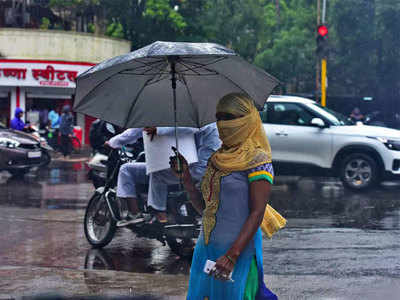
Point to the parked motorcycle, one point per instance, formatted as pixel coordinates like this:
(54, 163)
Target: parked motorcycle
(104, 211)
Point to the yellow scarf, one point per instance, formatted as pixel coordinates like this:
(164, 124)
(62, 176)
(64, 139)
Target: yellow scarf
(244, 146)
(244, 142)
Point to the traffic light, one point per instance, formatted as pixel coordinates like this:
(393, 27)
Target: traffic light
(322, 35)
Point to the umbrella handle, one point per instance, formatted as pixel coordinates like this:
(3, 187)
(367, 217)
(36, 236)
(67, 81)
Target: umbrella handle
(172, 61)
(178, 161)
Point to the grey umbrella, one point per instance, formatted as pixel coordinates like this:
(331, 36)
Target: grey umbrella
(168, 84)
(141, 88)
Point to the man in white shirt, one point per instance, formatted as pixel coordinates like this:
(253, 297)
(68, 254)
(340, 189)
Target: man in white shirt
(131, 174)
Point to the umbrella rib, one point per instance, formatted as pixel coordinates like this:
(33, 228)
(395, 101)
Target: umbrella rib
(152, 66)
(233, 82)
(191, 100)
(135, 101)
(199, 66)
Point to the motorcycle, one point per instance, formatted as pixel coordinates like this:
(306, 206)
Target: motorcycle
(104, 210)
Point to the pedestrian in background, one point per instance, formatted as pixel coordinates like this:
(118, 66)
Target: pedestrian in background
(233, 202)
(54, 119)
(356, 115)
(66, 131)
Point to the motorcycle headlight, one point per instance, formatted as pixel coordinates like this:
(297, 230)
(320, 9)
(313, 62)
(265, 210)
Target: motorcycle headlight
(9, 143)
(389, 143)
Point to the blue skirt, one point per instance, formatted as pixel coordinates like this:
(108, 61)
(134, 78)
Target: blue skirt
(202, 286)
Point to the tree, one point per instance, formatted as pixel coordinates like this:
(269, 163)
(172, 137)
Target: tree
(366, 50)
(145, 21)
(286, 46)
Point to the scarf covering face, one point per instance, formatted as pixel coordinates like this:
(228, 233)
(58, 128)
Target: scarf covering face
(245, 146)
(244, 142)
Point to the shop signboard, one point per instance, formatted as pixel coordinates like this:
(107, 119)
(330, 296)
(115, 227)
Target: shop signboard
(40, 73)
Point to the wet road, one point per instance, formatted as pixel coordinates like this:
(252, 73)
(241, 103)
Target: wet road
(338, 244)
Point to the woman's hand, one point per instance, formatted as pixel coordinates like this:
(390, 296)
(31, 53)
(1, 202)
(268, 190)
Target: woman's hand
(223, 267)
(179, 164)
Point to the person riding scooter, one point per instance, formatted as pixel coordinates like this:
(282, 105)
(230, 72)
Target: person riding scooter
(17, 123)
(131, 174)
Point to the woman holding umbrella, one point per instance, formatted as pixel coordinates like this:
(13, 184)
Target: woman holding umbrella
(233, 199)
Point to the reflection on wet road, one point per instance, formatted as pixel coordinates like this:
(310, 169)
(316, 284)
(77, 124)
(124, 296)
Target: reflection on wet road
(61, 186)
(326, 197)
(331, 232)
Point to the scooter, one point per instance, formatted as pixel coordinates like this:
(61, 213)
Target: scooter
(104, 210)
(44, 145)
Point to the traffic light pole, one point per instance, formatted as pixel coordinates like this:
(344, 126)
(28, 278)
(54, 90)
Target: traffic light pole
(317, 69)
(323, 82)
(323, 63)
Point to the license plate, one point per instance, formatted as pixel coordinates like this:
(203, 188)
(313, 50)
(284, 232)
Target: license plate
(35, 154)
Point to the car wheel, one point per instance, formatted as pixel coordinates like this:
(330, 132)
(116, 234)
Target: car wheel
(46, 159)
(359, 171)
(19, 172)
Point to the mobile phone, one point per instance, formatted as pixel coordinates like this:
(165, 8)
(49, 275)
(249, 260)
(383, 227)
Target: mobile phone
(209, 266)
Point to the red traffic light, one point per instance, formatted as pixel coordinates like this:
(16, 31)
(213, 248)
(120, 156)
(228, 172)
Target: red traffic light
(322, 30)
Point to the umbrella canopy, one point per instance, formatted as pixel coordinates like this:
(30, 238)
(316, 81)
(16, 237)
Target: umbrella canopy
(141, 88)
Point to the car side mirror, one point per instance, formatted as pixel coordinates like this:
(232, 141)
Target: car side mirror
(318, 123)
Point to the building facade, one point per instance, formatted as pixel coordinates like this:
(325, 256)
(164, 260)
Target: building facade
(38, 70)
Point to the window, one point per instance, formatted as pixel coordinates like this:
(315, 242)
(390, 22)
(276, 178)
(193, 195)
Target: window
(288, 114)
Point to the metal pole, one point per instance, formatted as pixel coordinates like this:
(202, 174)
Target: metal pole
(317, 69)
(323, 82)
(323, 11)
(173, 81)
(323, 63)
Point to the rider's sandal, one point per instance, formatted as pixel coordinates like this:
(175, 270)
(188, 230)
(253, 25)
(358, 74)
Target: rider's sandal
(155, 220)
(131, 219)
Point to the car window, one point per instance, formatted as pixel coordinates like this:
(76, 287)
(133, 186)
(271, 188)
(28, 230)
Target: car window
(334, 117)
(288, 114)
(264, 114)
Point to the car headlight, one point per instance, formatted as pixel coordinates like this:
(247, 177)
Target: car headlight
(389, 143)
(9, 143)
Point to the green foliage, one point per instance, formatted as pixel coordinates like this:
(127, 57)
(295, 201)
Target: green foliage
(277, 35)
(45, 23)
(365, 47)
(115, 30)
(91, 28)
(145, 21)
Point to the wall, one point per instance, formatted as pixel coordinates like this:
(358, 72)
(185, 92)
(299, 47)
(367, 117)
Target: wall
(59, 45)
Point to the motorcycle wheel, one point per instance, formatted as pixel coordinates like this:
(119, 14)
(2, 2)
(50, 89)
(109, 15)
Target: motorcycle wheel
(99, 225)
(181, 247)
(98, 259)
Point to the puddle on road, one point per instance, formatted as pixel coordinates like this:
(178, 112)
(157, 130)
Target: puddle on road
(317, 198)
(319, 203)
(157, 260)
(60, 186)
(65, 186)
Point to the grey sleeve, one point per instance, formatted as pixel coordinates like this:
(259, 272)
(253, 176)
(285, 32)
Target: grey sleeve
(129, 136)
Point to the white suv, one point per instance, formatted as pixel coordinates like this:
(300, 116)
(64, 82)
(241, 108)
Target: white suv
(307, 138)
